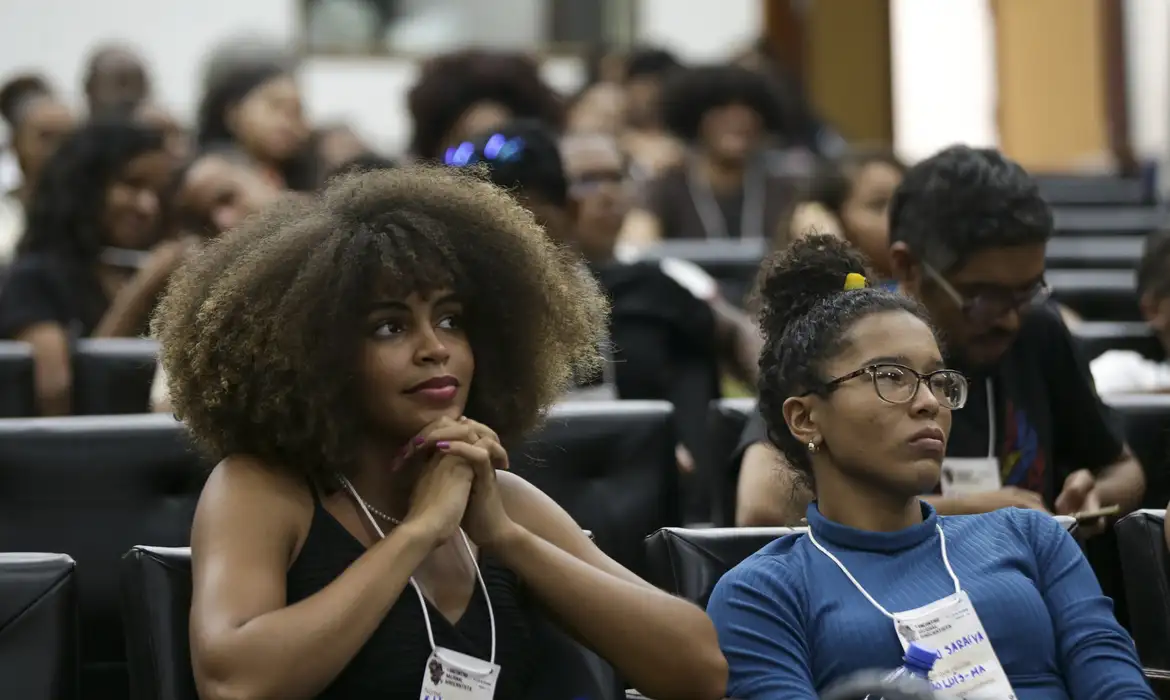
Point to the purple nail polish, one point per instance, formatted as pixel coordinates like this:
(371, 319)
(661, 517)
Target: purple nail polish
(443, 445)
(419, 440)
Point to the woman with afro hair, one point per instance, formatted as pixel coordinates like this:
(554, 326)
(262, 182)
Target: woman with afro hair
(462, 94)
(360, 361)
(730, 118)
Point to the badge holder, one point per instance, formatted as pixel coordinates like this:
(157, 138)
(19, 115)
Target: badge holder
(449, 674)
(967, 667)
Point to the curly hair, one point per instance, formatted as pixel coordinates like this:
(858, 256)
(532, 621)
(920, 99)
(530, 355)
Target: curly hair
(261, 334)
(804, 314)
(65, 214)
(692, 92)
(452, 83)
(962, 200)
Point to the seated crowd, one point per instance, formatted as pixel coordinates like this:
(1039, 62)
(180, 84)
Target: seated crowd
(363, 347)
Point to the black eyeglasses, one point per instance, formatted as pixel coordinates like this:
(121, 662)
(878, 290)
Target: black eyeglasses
(989, 305)
(498, 148)
(899, 384)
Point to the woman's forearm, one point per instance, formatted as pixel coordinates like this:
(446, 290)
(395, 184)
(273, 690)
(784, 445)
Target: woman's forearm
(296, 651)
(663, 645)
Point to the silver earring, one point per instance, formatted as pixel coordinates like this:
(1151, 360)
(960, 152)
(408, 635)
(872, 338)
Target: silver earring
(812, 446)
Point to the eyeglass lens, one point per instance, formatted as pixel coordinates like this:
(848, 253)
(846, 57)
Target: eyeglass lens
(898, 384)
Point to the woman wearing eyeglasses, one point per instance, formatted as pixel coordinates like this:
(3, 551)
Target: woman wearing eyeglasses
(857, 397)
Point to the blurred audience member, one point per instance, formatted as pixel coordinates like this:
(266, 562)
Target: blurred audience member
(460, 95)
(364, 163)
(83, 267)
(1127, 371)
(157, 117)
(856, 192)
(338, 144)
(37, 123)
(729, 116)
(114, 77)
(968, 232)
(256, 107)
(599, 108)
(651, 149)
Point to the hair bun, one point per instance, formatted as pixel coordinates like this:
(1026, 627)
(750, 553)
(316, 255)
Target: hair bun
(793, 280)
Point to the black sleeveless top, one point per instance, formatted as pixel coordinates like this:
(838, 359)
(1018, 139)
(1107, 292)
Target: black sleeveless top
(391, 664)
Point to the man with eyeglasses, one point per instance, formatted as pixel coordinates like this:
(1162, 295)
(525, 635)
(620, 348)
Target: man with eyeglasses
(968, 231)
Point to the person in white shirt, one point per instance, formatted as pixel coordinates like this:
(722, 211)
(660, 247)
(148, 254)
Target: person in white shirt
(1128, 371)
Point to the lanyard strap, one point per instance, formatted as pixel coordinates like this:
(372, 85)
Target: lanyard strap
(711, 216)
(942, 540)
(421, 599)
(990, 420)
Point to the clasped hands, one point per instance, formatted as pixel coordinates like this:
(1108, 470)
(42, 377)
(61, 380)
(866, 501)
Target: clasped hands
(457, 459)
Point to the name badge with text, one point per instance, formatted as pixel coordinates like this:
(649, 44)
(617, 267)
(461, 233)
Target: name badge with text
(967, 667)
(968, 476)
(450, 675)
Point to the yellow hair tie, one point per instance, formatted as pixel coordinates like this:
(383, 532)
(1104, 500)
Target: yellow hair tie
(854, 280)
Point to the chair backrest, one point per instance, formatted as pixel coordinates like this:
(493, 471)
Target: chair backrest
(113, 375)
(1144, 562)
(689, 562)
(1108, 221)
(611, 465)
(1146, 418)
(1094, 252)
(17, 392)
(1093, 190)
(725, 423)
(1097, 295)
(93, 487)
(1096, 337)
(38, 627)
(156, 602)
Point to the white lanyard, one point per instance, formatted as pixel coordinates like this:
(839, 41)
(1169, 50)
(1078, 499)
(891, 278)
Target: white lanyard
(990, 420)
(942, 540)
(711, 217)
(422, 600)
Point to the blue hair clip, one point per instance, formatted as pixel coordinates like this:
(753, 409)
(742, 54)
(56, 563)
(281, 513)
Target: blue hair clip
(497, 149)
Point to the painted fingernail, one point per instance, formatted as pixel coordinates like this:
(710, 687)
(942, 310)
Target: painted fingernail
(443, 445)
(419, 439)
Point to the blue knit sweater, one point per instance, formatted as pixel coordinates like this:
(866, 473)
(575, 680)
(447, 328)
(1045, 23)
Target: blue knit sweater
(791, 623)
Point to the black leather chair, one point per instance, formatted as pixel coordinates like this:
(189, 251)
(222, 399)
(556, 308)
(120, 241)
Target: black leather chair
(1144, 566)
(156, 601)
(611, 465)
(688, 562)
(733, 263)
(1109, 221)
(93, 487)
(1093, 190)
(1146, 418)
(1096, 337)
(1097, 295)
(113, 375)
(38, 627)
(725, 422)
(1105, 252)
(17, 394)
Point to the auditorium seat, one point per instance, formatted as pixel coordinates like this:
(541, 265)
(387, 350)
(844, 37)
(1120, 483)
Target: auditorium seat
(156, 602)
(611, 465)
(92, 487)
(113, 375)
(17, 395)
(1096, 337)
(1097, 295)
(1109, 221)
(1093, 190)
(689, 562)
(732, 262)
(1104, 252)
(1146, 419)
(38, 627)
(726, 421)
(1147, 584)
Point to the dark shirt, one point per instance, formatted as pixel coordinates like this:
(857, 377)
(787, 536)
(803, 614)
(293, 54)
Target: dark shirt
(669, 199)
(1049, 419)
(44, 288)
